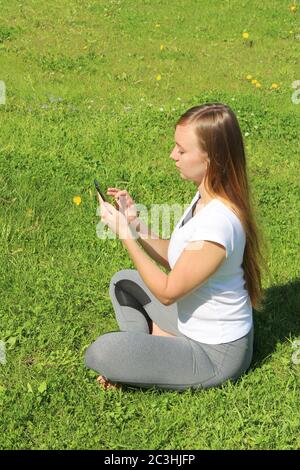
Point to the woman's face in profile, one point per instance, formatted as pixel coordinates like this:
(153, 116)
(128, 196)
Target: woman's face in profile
(190, 160)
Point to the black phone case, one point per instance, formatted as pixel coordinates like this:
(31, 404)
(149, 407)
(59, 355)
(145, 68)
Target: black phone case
(98, 189)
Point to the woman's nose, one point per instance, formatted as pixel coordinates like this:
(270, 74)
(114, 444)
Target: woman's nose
(172, 154)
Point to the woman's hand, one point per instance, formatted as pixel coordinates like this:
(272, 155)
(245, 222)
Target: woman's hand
(124, 202)
(114, 219)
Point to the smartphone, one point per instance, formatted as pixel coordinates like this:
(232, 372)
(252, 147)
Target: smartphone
(98, 189)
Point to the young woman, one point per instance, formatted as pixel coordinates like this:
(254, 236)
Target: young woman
(192, 327)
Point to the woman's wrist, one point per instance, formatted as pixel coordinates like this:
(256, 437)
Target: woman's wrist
(132, 230)
(142, 230)
(136, 224)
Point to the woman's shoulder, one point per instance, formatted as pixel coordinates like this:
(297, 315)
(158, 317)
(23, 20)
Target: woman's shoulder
(223, 209)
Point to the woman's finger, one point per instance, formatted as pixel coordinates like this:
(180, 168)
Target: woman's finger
(99, 198)
(113, 190)
(122, 191)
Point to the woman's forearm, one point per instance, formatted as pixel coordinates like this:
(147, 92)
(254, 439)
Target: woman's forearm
(154, 246)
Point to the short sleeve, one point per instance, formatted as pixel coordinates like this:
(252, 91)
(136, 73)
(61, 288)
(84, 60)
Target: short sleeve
(216, 228)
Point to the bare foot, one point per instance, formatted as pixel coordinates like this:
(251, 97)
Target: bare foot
(106, 384)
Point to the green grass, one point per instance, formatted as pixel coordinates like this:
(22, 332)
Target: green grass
(83, 102)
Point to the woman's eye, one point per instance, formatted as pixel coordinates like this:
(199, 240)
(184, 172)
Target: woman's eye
(181, 152)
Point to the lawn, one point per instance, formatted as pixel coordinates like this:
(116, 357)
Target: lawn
(93, 89)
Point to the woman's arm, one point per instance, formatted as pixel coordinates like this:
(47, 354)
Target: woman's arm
(156, 247)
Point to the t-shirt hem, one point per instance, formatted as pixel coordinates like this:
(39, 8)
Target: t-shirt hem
(226, 339)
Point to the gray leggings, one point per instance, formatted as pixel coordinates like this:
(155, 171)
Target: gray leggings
(136, 358)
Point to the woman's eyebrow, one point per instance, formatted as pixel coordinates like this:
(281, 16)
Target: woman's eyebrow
(179, 145)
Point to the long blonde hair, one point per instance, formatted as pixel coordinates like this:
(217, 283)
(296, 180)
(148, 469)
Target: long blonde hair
(219, 134)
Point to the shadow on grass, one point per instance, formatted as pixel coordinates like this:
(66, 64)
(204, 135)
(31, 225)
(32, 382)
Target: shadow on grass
(277, 322)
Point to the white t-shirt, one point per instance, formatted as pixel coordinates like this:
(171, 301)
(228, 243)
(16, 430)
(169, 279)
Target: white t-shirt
(220, 310)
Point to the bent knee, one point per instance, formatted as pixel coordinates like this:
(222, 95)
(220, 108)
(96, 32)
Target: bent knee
(95, 353)
(98, 355)
(90, 357)
(123, 274)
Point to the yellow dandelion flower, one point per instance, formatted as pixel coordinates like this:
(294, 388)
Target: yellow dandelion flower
(293, 8)
(158, 77)
(77, 200)
(245, 35)
(254, 81)
(274, 85)
(249, 77)
(162, 47)
(258, 85)
(157, 25)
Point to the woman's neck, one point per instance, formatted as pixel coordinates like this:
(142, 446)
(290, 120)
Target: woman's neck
(205, 197)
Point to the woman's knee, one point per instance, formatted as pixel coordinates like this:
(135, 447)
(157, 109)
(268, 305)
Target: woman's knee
(97, 353)
(90, 356)
(122, 274)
